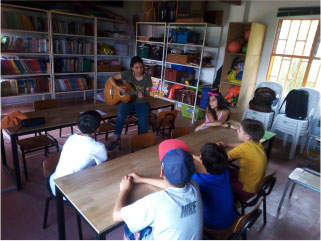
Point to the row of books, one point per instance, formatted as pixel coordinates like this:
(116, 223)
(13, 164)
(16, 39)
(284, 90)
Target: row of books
(73, 28)
(24, 86)
(23, 45)
(24, 22)
(72, 65)
(68, 46)
(23, 66)
(69, 84)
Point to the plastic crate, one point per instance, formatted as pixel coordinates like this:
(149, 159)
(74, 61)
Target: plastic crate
(187, 112)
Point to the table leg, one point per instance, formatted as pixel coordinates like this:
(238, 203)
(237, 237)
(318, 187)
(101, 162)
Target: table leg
(60, 214)
(15, 159)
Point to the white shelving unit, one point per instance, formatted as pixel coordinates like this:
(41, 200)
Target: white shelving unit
(156, 32)
(210, 39)
(100, 27)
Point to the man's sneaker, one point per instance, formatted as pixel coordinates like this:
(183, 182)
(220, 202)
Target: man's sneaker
(113, 145)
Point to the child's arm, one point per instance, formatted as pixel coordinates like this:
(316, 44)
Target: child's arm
(125, 187)
(219, 122)
(151, 181)
(230, 145)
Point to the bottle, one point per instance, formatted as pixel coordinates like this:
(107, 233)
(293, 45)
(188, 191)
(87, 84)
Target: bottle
(163, 12)
(172, 12)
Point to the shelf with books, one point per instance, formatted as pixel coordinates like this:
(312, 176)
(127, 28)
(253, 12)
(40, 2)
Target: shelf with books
(65, 84)
(177, 83)
(24, 66)
(186, 65)
(75, 73)
(24, 45)
(27, 85)
(19, 19)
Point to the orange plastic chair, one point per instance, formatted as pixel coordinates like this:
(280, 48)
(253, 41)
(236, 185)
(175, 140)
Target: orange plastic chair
(142, 141)
(178, 132)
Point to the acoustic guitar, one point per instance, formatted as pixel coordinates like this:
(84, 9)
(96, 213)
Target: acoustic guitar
(113, 96)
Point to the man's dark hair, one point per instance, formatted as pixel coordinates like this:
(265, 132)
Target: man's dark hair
(253, 128)
(89, 121)
(214, 158)
(135, 60)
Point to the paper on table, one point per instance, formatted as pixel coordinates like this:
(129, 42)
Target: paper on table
(99, 111)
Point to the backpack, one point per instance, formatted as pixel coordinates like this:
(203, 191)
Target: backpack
(262, 100)
(296, 106)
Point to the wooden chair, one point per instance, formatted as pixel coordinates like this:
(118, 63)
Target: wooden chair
(165, 121)
(178, 132)
(105, 128)
(49, 166)
(264, 188)
(45, 105)
(239, 227)
(131, 120)
(142, 141)
(40, 142)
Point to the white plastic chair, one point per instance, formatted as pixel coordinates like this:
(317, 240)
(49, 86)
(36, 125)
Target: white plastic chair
(266, 117)
(297, 128)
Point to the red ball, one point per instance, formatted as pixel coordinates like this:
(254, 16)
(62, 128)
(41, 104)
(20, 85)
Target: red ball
(234, 47)
(247, 35)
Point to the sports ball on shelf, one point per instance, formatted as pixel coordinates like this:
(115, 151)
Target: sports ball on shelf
(244, 48)
(234, 47)
(247, 35)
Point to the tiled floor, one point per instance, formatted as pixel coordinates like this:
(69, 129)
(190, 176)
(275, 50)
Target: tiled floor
(22, 211)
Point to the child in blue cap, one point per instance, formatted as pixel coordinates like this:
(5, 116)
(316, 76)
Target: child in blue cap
(173, 213)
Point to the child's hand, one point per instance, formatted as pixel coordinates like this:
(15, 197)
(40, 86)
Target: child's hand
(221, 144)
(135, 178)
(235, 127)
(140, 95)
(197, 158)
(126, 183)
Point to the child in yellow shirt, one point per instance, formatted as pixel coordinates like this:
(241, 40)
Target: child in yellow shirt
(252, 158)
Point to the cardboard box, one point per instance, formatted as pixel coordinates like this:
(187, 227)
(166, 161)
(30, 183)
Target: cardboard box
(143, 38)
(177, 58)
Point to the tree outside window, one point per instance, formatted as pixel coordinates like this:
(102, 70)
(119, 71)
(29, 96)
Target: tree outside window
(295, 59)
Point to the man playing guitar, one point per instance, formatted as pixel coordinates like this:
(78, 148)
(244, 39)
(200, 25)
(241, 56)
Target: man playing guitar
(143, 83)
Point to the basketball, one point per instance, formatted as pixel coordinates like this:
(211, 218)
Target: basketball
(234, 47)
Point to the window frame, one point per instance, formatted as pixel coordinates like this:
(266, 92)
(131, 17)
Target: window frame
(310, 58)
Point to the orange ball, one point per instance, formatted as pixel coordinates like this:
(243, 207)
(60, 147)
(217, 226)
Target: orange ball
(234, 47)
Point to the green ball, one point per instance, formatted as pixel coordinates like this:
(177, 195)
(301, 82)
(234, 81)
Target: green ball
(244, 48)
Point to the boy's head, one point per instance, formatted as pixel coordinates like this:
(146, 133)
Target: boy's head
(89, 121)
(177, 162)
(250, 130)
(214, 158)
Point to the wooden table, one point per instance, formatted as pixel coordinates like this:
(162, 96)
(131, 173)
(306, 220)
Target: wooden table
(59, 118)
(93, 191)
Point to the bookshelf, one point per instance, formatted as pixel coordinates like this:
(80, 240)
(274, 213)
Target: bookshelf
(190, 62)
(54, 54)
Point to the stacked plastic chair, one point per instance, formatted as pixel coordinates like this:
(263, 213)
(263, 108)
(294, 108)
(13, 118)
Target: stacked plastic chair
(297, 128)
(266, 117)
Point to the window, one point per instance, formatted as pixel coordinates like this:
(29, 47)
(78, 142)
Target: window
(295, 59)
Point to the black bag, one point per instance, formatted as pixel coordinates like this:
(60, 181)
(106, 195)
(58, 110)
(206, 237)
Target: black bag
(296, 106)
(263, 99)
(33, 122)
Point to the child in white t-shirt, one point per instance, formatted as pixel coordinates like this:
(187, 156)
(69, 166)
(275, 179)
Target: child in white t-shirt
(174, 213)
(81, 150)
